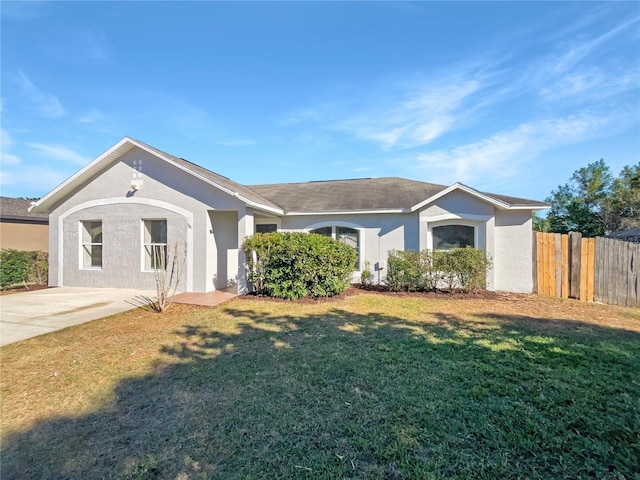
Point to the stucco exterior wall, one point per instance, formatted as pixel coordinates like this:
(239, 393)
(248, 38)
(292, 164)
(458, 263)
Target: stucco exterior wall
(513, 251)
(24, 236)
(187, 202)
(122, 250)
(460, 208)
(224, 241)
(379, 233)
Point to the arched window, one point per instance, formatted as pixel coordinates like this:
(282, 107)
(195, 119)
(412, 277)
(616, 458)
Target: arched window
(447, 237)
(350, 236)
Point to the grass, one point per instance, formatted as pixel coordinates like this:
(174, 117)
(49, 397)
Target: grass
(367, 386)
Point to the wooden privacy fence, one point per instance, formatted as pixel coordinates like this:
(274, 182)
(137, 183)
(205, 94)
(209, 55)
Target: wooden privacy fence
(588, 269)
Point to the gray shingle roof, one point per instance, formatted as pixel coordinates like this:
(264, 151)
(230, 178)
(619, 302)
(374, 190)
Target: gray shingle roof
(632, 232)
(359, 194)
(18, 209)
(214, 177)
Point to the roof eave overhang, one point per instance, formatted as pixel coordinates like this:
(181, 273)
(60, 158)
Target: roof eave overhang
(116, 151)
(348, 212)
(120, 148)
(529, 207)
(475, 193)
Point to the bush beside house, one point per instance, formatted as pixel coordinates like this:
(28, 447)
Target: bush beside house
(22, 267)
(430, 270)
(295, 265)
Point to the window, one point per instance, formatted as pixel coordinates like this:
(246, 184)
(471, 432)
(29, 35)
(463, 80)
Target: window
(266, 228)
(447, 237)
(347, 235)
(155, 244)
(92, 244)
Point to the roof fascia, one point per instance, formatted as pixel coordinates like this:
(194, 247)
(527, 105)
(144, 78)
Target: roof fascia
(459, 186)
(233, 193)
(349, 212)
(529, 207)
(75, 179)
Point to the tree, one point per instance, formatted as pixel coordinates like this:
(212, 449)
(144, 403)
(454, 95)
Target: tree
(594, 203)
(623, 207)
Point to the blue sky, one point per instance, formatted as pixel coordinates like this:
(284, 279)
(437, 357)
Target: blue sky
(507, 97)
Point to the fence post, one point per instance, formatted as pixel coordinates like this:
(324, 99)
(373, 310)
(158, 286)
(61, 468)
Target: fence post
(574, 264)
(564, 290)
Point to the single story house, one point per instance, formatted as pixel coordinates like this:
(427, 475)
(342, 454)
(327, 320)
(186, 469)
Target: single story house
(21, 229)
(110, 219)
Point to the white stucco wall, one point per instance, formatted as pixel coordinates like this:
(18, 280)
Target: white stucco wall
(161, 183)
(379, 233)
(214, 224)
(513, 247)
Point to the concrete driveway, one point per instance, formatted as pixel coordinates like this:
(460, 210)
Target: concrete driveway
(28, 314)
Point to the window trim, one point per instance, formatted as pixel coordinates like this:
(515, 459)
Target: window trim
(271, 223)
(361, 237)
(143, 244)
(82, 243)
(465, 223)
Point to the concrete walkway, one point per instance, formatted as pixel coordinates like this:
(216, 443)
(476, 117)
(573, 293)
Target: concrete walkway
(29, 314)
(211, 299)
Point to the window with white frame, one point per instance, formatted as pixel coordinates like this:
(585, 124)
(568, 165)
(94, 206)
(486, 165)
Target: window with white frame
(91, 252)
(446, 237)
(155, 244)
(350, 236)
(266, 227)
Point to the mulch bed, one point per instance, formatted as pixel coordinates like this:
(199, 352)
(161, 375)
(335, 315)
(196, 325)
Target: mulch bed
(355, 289)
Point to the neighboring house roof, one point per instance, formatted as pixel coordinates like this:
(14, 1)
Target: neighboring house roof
(372, 194)
(632, 234)
(346, 196)
(17, 210)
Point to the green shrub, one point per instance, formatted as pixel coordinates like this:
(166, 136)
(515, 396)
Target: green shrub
(295, 265)
(469, 268)
(428, 270)
(15, 267)
(403, 271)
(18, 266)
(366, 277)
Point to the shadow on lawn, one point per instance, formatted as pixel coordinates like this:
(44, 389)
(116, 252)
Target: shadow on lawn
(343, 395)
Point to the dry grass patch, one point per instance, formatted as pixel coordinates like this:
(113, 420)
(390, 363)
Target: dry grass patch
(366, 386)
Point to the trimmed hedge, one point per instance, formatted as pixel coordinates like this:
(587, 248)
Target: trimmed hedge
(296, 265)
(428, 270)
(18, 266)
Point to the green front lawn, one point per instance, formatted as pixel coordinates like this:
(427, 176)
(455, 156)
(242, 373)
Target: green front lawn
(367, 386)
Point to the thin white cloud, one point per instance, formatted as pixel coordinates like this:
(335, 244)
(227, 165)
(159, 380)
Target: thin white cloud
(60, 153)
(46, 104)
(500, 155)
(416, 120)
(7, 159)
(407, 115)
(581, 50)
(30, 181)
(92, 116)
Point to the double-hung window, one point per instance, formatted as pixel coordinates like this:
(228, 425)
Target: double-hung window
(155, 244)
(91, 253)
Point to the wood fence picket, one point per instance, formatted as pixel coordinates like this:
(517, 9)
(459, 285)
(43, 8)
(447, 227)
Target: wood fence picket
(589, 269)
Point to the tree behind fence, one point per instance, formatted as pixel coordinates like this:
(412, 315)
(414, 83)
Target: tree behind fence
(588, 269)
